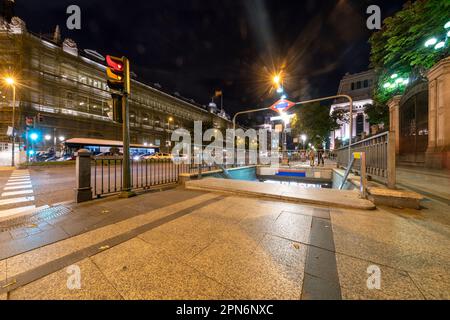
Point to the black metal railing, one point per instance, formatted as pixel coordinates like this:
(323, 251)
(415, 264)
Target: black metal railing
(106, 173)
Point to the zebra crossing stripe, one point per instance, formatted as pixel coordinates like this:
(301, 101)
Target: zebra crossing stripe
(28, 186)
(16, 200)
(19, 184)
(9, 212)
(16, 193)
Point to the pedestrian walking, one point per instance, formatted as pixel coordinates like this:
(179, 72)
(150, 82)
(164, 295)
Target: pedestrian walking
(320, 157)
(311, 157)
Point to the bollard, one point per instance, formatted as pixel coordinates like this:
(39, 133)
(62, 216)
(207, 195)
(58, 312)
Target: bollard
(83, 192)
(363, 187)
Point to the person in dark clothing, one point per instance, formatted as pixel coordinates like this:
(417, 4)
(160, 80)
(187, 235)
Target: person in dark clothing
(320, 158)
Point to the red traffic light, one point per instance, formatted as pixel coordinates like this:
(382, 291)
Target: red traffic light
(115, 63)
(118, 74)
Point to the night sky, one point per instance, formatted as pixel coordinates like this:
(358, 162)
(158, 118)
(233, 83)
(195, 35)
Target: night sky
(195, 47)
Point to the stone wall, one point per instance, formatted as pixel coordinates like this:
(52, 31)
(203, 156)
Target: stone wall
(438, 152)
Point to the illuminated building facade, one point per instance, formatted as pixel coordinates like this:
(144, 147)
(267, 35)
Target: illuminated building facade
(63, 88)
(359, 86)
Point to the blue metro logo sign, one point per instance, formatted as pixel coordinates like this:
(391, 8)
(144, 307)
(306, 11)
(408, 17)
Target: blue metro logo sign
(282, 105)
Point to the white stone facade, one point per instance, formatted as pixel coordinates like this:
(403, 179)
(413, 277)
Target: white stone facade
(360, 87)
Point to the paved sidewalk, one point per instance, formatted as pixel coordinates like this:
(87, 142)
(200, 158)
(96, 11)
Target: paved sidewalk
(431, 183)
(181, 244)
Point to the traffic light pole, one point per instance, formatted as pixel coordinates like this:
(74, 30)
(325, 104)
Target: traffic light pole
(126, 164)
(13, 151)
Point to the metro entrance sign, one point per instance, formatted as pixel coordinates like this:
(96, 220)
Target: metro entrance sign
(282, 105)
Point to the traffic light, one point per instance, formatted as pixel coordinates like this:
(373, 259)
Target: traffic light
(117, 108)
(40, 118)
(118, 74)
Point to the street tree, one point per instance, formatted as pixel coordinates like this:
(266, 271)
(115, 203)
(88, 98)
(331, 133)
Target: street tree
(315, 121)
(398, 48)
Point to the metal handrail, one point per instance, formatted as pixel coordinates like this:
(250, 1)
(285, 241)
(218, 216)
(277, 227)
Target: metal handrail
(379, 135)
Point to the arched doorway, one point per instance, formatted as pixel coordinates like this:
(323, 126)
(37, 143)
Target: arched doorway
(413, 123)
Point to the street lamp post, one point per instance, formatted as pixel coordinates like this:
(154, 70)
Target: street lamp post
(10, 81)
(168, 133)
(303, 137)
(350, 100)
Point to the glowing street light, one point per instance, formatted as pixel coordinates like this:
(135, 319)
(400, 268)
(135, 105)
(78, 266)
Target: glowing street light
(430, 42)
(34, 136)
(277, 80)
(439, 45)
(62, 138)
(10, 81)
(48, 137)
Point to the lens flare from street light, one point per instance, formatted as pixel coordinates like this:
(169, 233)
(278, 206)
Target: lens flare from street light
(277, 79)
(10, 81)
(34, 136)
(430, 42)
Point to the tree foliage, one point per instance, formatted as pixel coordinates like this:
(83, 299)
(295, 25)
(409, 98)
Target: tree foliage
(399, 46)
(315, 121)
(377, 113)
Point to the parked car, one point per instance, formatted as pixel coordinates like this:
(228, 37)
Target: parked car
(159, 156)
(142, 156)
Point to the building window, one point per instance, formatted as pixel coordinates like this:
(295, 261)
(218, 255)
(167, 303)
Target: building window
(359, 124)
(146, 119)
(83, 105)
(358, 85)
(133, 118)
(366, 83)
(353, 86)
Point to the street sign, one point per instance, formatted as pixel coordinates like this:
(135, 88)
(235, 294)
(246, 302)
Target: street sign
(282, 105)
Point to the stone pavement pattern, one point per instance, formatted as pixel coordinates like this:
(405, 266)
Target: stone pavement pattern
(213, 246)
(429, 182)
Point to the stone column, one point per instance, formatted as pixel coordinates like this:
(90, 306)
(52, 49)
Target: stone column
(83, 192)
(394, 121)
(438, 152)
